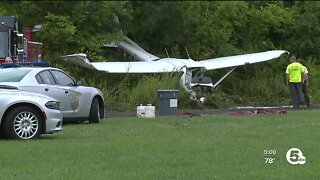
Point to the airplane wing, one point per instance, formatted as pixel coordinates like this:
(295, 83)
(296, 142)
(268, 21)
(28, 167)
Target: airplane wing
(136, 67)
(239, 60)
(173, 64)
(125, 67)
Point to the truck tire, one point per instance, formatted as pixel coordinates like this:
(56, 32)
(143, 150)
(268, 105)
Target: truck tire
(22, 122)
(94, 116)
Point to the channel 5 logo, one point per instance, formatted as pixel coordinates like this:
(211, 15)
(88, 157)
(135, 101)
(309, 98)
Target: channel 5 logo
(295, 156)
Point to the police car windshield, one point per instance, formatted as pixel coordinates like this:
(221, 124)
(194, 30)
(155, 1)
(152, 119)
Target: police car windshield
(13, 75)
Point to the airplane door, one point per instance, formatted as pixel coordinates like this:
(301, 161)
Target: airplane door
(188, 78)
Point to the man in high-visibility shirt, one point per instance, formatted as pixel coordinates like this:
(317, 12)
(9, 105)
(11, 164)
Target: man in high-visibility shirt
(295, 75)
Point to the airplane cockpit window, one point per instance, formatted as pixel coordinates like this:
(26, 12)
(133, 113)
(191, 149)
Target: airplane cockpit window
(201, 80)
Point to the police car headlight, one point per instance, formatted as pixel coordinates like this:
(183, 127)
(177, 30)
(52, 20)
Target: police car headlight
(53, 105)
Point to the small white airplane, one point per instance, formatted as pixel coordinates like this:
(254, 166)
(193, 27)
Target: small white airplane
(149, 63)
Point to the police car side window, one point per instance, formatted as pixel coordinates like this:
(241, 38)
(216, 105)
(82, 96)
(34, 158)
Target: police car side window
(63, 79)
(39, 79)
(46, 78)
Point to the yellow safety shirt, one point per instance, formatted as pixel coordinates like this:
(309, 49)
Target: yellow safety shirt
(294, 70)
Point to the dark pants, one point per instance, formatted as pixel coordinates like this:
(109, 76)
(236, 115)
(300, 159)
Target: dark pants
(305, 93)
(296, 94)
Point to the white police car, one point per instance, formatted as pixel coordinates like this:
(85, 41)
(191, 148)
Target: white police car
(77, 103)
(27, 115)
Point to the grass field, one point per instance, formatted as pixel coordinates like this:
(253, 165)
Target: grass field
(210, 147)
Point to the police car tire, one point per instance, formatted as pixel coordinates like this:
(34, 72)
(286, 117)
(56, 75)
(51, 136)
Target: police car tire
(94, 116)
(12, 132)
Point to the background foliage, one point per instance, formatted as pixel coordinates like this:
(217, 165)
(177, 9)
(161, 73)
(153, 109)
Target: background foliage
(207, 28)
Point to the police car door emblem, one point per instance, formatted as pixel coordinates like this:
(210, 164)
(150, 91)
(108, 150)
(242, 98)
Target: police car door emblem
(74, 100)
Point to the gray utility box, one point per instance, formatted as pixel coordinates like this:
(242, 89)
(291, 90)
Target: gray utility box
(168, 102)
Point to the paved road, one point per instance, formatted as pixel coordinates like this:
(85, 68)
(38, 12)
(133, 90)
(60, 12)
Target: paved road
(200, 112)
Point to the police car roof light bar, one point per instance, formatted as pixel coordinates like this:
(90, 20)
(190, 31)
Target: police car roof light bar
(26, 64)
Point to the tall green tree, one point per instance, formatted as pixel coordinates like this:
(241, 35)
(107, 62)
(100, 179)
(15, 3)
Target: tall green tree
(303, 36)
(2, 11)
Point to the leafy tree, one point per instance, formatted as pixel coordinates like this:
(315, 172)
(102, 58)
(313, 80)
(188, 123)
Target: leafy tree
(57, 33)
(303, 36)
(2, 11)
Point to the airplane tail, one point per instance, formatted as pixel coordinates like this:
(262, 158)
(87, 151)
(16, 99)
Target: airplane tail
(131, 47)
(135, 50)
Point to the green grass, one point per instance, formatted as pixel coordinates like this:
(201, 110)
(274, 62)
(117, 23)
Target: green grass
(210, 147)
